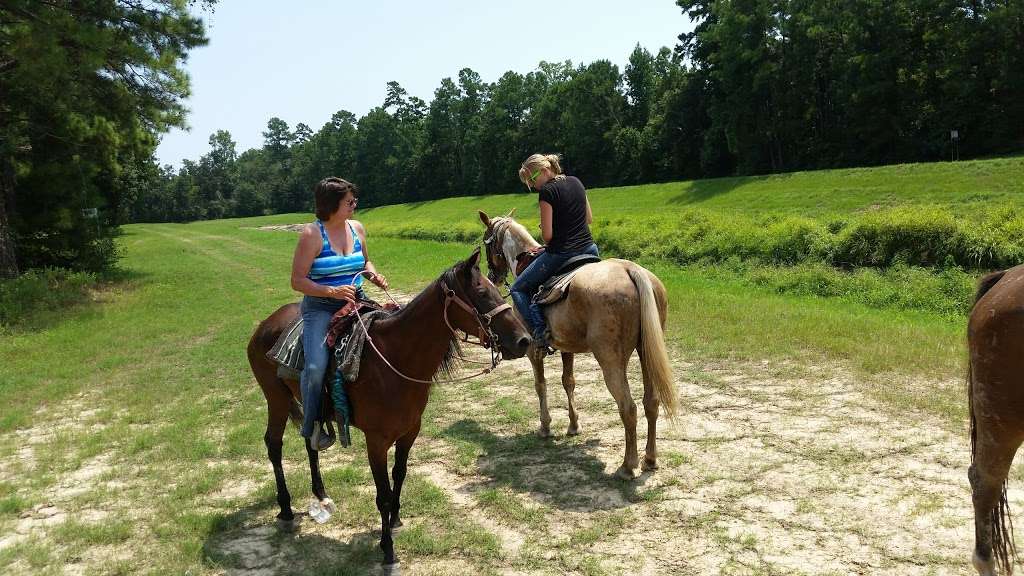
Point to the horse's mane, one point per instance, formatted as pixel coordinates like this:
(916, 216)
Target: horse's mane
(515, 228)
(452, 360)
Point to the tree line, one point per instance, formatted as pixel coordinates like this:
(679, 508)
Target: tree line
(758, 86)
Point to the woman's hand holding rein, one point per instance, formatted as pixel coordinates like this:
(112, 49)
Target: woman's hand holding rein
(379, 279)
(343, 292)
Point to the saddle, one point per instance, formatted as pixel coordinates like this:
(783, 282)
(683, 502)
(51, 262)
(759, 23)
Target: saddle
(346, 342)
(557, 287)
(287, 351)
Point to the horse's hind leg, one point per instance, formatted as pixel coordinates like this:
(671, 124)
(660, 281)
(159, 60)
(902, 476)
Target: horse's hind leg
(278, 402)
(992, 459)
(569, 383)
(317, 480)
(541, 385)
(651, 413)
(613, 366)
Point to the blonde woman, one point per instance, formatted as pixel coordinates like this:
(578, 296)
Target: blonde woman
(565, 219)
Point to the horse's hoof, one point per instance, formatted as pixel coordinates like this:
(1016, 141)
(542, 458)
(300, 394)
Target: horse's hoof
(392, 569)
(572, 431)
(396, 524)
(649, 465)
(625, 473)
(544, 432)
(984, 567)
(287, 525)
(327, 504)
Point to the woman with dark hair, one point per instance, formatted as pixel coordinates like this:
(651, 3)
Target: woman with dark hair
(330, 253)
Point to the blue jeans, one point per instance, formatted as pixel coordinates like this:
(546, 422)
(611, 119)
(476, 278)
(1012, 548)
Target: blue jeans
(316, 317)
(529, 281)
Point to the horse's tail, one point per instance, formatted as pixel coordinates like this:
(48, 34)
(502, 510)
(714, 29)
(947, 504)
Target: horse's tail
(1003, 547)
(652, 342)
(986, 283)
(295, 412)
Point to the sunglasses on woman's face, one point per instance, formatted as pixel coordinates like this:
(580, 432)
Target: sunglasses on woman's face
(534, 176)
(352, 202)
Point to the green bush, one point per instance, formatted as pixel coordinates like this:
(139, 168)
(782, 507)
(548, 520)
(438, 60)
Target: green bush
(899, 287)
(922, 237)
(41, 289)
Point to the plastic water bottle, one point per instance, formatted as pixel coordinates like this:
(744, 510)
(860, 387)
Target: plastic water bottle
(319, 513)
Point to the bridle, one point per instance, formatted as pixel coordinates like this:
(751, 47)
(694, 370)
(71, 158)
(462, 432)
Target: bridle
(486, 336)
(492, 245)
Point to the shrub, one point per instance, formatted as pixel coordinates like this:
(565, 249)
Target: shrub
(41, 289)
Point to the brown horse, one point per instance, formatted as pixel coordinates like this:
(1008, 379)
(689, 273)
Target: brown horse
(995, 381)
(418, 341)
(613, 307)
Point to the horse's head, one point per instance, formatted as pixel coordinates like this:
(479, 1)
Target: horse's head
(487, 315)
(506, 242)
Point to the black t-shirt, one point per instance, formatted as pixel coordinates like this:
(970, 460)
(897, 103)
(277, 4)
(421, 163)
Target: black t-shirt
(568, 200)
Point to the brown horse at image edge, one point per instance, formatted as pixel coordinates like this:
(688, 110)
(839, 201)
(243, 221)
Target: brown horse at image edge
(995, 380)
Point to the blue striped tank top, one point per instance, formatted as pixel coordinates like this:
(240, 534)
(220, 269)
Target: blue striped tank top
(333, 269)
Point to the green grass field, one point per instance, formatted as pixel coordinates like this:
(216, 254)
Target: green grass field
(147, 381)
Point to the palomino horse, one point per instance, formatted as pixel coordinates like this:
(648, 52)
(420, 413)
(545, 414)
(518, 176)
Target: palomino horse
(613, 307)
(417, 342)
(995, 384)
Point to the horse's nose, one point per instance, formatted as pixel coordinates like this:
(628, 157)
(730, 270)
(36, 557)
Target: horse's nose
(523, 344)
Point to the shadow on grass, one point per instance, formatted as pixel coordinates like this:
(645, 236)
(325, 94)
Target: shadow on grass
(702, 190)
(39, 312)
(562, 471)
(250, 541)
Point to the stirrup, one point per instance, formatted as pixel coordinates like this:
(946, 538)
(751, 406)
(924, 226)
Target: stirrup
(322, 439)
(542, 345)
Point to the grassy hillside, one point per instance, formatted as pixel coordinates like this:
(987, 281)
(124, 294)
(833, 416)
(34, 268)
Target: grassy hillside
(905, 237)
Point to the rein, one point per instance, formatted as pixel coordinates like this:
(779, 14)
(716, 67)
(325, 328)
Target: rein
(486, 335)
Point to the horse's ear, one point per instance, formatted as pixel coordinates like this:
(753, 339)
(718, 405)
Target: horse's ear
(510, 212)
(484, 218)
(473, 260)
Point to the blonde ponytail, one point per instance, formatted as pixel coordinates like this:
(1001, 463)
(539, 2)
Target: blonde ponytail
(539, 161)
(553, 164)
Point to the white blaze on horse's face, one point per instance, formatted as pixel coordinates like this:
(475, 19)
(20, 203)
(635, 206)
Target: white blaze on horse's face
(508, 249)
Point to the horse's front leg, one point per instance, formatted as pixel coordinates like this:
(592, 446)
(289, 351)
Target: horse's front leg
(541, 385)
(569, 383)
(377, 453)
(402, 448)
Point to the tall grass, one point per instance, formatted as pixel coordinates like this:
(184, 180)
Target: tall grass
(39, 291)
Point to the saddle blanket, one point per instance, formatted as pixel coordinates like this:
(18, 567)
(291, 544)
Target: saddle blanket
(344, 337)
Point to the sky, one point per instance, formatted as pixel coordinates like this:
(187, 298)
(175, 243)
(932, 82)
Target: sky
(304, 60)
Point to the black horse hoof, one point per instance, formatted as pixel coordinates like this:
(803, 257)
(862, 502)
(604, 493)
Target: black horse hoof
(290, 525)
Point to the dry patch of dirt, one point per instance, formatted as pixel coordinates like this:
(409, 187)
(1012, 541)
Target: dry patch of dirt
(763, 472)
(284, 227)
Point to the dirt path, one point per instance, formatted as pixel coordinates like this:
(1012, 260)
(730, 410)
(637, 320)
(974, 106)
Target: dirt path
(762, 474)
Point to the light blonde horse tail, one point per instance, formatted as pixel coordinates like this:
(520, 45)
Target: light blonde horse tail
(652, 341)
